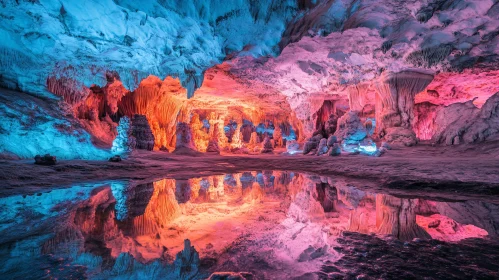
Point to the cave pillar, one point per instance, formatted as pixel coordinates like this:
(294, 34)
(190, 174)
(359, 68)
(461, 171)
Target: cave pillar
(395, 94)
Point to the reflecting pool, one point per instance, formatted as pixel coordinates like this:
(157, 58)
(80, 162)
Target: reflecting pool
(258, 224)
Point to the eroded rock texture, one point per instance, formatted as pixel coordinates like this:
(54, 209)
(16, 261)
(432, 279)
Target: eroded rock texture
(469, 125)
(142, 132)
(302, 63)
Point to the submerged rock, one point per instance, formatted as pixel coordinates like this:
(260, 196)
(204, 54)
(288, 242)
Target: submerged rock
(45, 160)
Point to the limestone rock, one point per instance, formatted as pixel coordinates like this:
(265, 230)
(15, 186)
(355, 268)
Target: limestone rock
(472, 127)
(292, 146)
(395, 97)
(267, 146)
(124, 142)
(142, 133)
(45, 160)
(350, 129)
(187, 262)
(231, 276)
(322, 149)
(400, 136)
(254, 139)
(184, 143)
(332, 140)
(278, 137)
(312, 144)
(115, 158)
(213, 147)
(335, 150)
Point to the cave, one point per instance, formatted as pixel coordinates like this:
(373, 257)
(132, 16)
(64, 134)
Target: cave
(249, 139)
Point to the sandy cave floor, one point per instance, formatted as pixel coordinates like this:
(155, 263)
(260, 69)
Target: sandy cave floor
(424, 170)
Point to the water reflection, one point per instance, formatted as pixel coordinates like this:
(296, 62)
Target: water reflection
(118, 229)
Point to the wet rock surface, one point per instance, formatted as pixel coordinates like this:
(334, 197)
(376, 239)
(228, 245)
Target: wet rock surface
(373, 258)
(45, 160)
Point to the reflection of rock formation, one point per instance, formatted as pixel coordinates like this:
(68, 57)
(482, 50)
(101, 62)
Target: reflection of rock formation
(327, 196)
(480, 214)
(397, 217)
(187, 262)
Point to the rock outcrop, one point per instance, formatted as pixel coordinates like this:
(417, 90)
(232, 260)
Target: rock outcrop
(267, 146)
(45, 160)
(468, 124)
(395, 104)
(142, 133)
(351, 130)
(125, 142)
(184, 143)
(322, 148)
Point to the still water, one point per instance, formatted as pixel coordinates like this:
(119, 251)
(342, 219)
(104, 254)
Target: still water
(267, 224)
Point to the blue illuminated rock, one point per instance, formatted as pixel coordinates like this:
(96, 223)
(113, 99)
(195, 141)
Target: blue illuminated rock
(350, 129)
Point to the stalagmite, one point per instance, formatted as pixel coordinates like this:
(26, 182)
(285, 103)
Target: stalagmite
(142, 133)
(267, 146)
(184, 143)
(125, 141)
(395, 103)
(278, 137)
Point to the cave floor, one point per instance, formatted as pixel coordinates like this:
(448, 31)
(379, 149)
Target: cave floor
(437, 172)
(258, 229)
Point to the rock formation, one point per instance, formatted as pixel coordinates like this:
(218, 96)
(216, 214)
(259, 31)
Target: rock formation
(45, 160)
(311, 144)
(142, 133)
(267, 146)
(187, 262)
(322, 148)
(292, 146)
(278, 137)
(184, 143)
(397, 217)
(213, 146)
(466, 124)
(125, 141)
(350, 129)
(395, 104)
